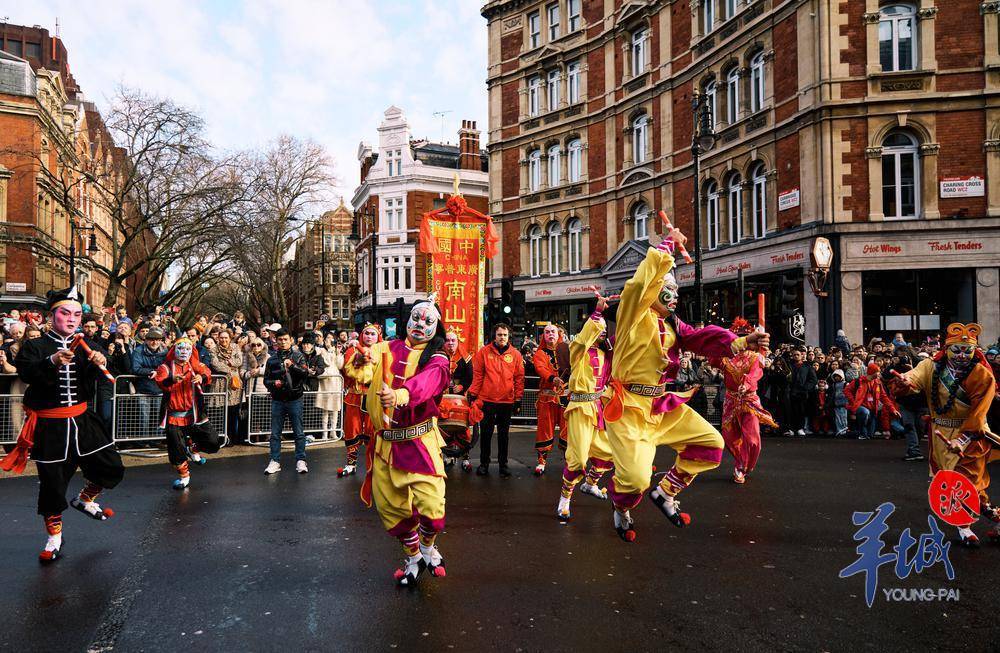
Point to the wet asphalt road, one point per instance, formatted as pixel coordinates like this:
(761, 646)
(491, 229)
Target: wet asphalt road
(295, 563)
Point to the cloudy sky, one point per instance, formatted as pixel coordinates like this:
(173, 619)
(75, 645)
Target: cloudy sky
(323, 69)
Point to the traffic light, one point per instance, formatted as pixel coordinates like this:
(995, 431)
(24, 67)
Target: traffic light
(520, 306)
(507, 297)
(788, 296)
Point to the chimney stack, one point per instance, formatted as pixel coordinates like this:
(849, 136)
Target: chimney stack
(469, 157)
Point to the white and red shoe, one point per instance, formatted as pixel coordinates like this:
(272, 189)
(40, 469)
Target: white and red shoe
(739, 477)
(967, 538)
(347, 470)
(539, 469)
(52, 550)
(410, 571)
(670, 507)
(92, 509)
(594, 491)
(624, 525)
(562, 510)
(433, 560)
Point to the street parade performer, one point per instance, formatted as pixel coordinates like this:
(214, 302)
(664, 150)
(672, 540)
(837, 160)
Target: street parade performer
(183, 377)
(742, 412)
(552, 380)
(959, 386)
(61, 431)
(641, 414)
(358, 369)
(586, 439)
(460, 368)
(405, 472)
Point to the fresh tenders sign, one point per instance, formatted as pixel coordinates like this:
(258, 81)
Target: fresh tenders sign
(878, 248)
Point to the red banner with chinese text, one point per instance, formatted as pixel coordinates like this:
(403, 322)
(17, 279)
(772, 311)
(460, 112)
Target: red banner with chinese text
(459, 240)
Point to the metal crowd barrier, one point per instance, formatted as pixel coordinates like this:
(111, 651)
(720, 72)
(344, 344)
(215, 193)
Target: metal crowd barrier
(11, 413)
(322, 416)
(136, 417)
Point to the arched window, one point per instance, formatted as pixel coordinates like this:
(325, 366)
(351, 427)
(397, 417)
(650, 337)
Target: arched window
(712, 214)
(640, 40)
(707, 16)
(897, 37)
(734, 210)
(555, 248)
(711, 95)
(900, 176)
(575, 149)
(575, 244)
(640, 218)
(535, 251)
(535, 170)
(555, 166)
(640, 128)
(758, 180)
(757, 83)
(733, 95)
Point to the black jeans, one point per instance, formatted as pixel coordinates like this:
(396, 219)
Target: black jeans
(495, 415)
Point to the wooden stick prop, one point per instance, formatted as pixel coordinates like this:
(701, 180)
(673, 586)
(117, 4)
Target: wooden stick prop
(78, 341)
(387, 381)
(670, 227)
(761, 311)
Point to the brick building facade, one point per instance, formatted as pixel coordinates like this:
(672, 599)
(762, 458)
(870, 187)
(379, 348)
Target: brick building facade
(874, 124)
(400, 181)
(321, 274)
(49, 133)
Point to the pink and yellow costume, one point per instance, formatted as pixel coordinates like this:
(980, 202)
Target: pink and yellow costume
(587, 439)
(647, 357)
(406, 474)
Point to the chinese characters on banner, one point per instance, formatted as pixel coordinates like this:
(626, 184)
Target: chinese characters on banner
(459, 240)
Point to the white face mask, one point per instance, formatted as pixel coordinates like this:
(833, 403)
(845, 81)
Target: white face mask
(182, 352)
(369, 337)
(550, 334)
(423, 322)
(668, 295)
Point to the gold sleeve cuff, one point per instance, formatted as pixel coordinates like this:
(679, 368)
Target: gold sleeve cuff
(402, 396)
(739, 344)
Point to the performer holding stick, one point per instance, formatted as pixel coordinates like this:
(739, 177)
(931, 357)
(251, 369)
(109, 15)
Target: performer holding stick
(586, 438)
(405, 472)
(61, 432)
(642, 414)
(959, 387)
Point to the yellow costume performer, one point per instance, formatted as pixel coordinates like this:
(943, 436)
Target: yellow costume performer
(959, 386)
(587, 440)
(642, 415)
(406, 472)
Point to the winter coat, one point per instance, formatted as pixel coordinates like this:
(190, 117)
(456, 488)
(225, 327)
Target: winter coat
(835, 392)
(331, 383)
(317, 365)
(291, 380)
(802, 383)
(145, 361)
(225, 364)
(254, 381)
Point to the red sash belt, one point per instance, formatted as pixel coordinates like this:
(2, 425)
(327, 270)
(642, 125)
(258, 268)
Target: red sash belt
(17, 459)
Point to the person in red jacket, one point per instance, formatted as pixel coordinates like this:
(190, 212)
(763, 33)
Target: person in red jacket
(869, 401)
(497, 382)
(182, 377)
(553, 376)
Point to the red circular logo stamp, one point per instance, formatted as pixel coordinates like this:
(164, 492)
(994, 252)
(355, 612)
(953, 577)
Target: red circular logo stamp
(953, 498)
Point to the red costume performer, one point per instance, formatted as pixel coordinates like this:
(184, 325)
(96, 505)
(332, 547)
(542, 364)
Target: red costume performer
(359, 369)
(182, 411)
(743, 413)
(552, 380)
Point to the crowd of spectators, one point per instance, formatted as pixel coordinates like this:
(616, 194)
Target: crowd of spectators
(236, 353)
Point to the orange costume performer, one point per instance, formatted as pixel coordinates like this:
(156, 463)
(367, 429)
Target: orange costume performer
(959, 386)
(743, 413)
(552, 380)
(359, 370)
